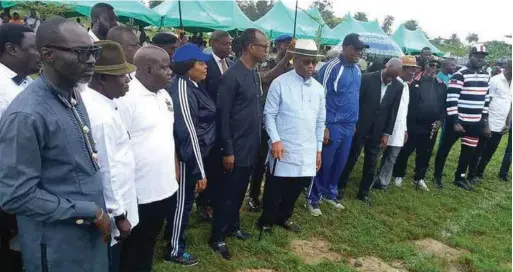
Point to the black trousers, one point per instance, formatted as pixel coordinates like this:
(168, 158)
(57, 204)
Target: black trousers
(213, 170)
(280, 196)
(137, 253)
(422, 143)
(467, 154)
(228, 197)
(115, 256)
(371, 151)
(258, 173)
(483, 154)
(506, 160)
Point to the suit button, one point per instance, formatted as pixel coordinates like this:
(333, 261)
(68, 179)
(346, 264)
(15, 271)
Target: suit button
(79, 221)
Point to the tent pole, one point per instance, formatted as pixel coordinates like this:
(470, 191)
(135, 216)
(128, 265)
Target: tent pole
(180, 13)
(295, 19)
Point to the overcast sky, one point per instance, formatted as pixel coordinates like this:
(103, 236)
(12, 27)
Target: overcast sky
(490, 19)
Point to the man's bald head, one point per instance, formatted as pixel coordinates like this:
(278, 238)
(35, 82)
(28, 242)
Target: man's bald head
(153, 67)
(392, 70)
(148, 55)
(128, 40)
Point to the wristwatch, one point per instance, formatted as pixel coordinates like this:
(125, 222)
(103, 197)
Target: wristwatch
(120, 217)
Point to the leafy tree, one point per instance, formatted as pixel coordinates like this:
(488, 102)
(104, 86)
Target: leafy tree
(47, 10)
(255, 10)
(454, 40)
(497, 49)
(325, 7)
(411, 25)
(387, 24)
(437, 41)
(472, 38)
(361, 16)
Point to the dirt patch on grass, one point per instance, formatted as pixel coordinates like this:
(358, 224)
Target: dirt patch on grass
(314, 250)
(256, 270)
(374, 264)
(439, 249)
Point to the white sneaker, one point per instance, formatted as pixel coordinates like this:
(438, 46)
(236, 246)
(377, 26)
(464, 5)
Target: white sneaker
(335, 203)
(314, 210)
(422, 185)
(398, 182)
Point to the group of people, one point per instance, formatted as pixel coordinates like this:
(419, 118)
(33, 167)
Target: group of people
(112, 139)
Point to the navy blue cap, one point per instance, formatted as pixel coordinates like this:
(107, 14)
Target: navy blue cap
(283, 38)
(189, 51)
(353, 39)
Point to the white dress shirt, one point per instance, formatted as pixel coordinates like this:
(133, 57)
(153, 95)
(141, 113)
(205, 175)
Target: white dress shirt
(117, 165)
(149, 119)
(295, 114)
(9, 89)
(219, 62)
(400, 126)
(500, 104)
(93, 36)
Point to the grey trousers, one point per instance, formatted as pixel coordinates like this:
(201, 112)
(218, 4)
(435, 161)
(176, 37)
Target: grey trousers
(387, 166)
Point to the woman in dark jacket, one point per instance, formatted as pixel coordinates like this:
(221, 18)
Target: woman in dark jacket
(194, 133)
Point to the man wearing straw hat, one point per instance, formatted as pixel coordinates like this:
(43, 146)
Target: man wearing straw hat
(117, 165)
(294, 119)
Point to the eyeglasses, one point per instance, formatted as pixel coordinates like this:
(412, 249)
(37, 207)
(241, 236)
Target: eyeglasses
(433, 65)
(83, 53)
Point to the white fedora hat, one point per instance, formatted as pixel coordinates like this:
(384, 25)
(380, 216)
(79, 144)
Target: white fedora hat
(306, 47)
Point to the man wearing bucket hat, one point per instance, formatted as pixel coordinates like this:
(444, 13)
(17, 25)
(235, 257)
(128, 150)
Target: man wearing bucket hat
(195, 134)
(426, 113)
(341, 79)
(117, 165)
(294, 119)
(467, 115)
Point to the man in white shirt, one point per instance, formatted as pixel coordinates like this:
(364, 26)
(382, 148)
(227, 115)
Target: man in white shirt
(147, 113)
(103, 18)
(499, 120)
(117, 165)
(18, 59)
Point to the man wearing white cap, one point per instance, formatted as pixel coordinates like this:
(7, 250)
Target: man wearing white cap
(294, 119)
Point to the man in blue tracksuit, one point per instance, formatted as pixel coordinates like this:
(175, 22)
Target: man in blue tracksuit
(341, 79)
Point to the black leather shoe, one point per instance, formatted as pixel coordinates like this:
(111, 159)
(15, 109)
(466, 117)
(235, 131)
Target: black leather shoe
(222, 249)
(503, 178)
(463, 185)
(474, 181)
(290, 226)
(340, 194)
(379, 187)
(438, 183)
(365, 200)
(263, 229)
(241, 235)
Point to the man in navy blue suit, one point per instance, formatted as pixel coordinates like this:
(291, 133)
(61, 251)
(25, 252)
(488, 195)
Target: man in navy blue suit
(217, 65)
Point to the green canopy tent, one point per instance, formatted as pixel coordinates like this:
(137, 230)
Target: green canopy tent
(412, 42)
(203, 16)
(348, 25)
(126, 10)
(372, 27)
(280, 20)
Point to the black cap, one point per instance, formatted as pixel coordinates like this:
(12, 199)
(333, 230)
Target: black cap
(353, 39)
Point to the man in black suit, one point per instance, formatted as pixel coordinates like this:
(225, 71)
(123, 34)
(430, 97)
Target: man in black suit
(221, 43)
(380, 95)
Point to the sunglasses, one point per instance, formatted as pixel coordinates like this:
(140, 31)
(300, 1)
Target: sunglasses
(433, 65)
(83, 53)
(307, 62)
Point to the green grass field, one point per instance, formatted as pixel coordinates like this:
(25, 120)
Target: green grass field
(477, 222)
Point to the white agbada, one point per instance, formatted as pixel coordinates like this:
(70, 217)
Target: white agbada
(400, 126)
(117, 164)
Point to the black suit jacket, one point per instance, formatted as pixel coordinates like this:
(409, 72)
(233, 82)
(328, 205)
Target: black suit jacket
(211, 83)
(377, 118)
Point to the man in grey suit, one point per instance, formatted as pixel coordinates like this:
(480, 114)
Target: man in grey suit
(49, 173)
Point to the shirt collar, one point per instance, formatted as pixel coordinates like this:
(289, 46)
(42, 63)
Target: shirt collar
(216, 58)
(139, 87)
(307, 82)
(101, 97)
(344, 62)
(93, 36)
(17, 79)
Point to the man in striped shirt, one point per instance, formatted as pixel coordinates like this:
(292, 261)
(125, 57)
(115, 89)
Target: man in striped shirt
(467, 115)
